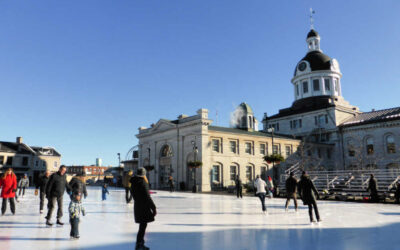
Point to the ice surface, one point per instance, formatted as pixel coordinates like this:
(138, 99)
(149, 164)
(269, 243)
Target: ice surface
(204, 221)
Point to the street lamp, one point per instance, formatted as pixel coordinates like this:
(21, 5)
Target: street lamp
(119, 159)
(195, 151)
(271, 130)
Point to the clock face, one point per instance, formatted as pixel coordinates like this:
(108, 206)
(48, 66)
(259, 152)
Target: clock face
(302, 66)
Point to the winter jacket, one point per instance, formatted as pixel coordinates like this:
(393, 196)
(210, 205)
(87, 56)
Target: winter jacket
(8, 186)
(57, 185)
(126, 181)
(372, 186)
(78, 186)
(42, 182)
(75, 209)
(291, 185)
(23, 183)
(104, 190)
(144, 206)
(260, 185)
(307, 190)
(238, 183)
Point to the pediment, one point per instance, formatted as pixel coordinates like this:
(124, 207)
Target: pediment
(163, 125)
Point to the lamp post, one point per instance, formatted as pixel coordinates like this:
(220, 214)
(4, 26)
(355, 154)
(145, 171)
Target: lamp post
(195, 151)
(271, 130)
(119, 159)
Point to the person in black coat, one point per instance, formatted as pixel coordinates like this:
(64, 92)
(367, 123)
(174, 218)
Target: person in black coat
(397, 193)
(41, 185)
(239, 187)
(307, 192)
(144, 207)
(54, 192)
(373, 189)
(78, 185)
(291, 189)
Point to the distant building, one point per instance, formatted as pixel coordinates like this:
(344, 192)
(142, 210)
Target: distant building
(30, 160)
(92, 172)
(99, 162)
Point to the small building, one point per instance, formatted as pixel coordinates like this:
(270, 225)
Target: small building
(30, 160)
(93, 173)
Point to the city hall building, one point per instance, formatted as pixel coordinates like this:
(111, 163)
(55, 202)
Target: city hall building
(169, 145)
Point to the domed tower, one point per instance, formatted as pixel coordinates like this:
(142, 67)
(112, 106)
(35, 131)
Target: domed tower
(243, 118)
(316, 74)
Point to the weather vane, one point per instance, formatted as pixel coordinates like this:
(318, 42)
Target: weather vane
(312, 12)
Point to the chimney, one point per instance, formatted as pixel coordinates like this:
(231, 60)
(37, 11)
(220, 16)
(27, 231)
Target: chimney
(373, 110)
(19, 140)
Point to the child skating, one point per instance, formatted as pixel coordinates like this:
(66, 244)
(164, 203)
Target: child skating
(75, 210)
(104, 192)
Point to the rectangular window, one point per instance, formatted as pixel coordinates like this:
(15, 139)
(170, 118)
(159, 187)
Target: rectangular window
(327, 84)
(275, 149)
(247, 147)
(300, 123)
(316, 120)
(37, 163)
(297, 90)
(305, 87)
(43, 163)
(288, 150)
(215, 175)
(326, 119)
(262, 148)
(233, 146)
(319, 153)
(233, 173)
(370, 149)
(24, 161)
(263, 172)
(328, 153)
(294, 124)
(249, 173)
(215, 145)
(9, 160)
(291, 124)
(1, 160)
(316, 84)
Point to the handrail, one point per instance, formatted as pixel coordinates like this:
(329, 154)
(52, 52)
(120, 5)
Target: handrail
(333, 180)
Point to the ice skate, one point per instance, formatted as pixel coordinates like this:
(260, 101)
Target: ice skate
(60, 223)
(48, 223)
(141, 247)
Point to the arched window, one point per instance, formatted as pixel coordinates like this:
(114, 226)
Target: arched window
(370, 145)
(249, 173)
(233, 171)
(166, 151)
(216, 173)
(390, 144)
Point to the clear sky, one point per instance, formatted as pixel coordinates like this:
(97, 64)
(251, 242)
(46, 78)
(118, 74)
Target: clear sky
(82, 76)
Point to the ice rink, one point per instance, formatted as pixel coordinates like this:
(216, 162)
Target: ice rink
(203, 221)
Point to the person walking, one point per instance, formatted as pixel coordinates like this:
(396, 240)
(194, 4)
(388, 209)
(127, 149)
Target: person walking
(75, 210)
(239, 187)
(261, 186)
(126, 182)
(291, 190)
(307, 192)
(55, 192)
(8, 185)
(373, 188)
(171, 184)
(41, 186)
(104, 192)
(78, 185)
(22, 184)
(144, 207)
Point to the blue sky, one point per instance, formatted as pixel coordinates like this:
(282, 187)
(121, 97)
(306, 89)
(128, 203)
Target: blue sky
(82, 76)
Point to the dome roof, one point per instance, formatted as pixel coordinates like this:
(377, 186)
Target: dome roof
(312, 33)
(317, 61)
(246, 107)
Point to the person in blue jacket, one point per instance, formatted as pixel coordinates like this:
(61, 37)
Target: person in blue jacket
(104, 192)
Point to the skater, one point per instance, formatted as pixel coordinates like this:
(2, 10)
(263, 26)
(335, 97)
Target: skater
(75, 209)
(55, 192)
(8, 185)
(126, 182)
(373, 189)
(144, 207)
(239, 187)
(261, 186)
(171, 184)
(271, 189)
(397, 193)
(104, 192)
(307, 192)
(22, 184)
(291, 189)
(41, 187)
(78, 185)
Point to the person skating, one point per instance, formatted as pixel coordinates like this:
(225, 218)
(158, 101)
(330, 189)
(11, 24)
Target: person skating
(373, 188)
(261, 191)
(239, 187)
(144, 207)
(126, 182)
(104, 192)
(41, 186)
(8, 185)
(55, 192)
(78, 185)
(23, 184)
(291, 189)
(171, 184)
(307, 192)
(75, 210)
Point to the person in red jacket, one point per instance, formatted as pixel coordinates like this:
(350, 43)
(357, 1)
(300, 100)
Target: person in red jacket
(8, 185)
